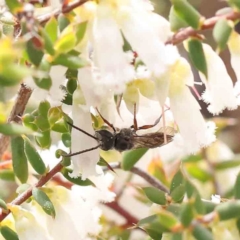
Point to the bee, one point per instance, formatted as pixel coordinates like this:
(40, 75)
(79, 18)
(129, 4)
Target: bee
(127, 138)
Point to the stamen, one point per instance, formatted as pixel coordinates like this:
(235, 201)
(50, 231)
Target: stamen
(196, 92)
(164, 124)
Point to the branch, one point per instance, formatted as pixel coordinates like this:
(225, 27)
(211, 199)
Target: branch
(66, 9)
(130, 219)
(28, 193)
(147, 177)
(17, 111)
(209, 23)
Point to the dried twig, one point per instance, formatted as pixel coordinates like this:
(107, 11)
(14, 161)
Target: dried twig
(17, 111)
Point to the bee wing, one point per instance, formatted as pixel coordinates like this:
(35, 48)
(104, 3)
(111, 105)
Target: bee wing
(153, 140)
(168, 130)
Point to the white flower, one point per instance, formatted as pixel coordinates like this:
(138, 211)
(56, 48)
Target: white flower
(219, 87)
(108, 55)
(55, 94)
(84, 163)
(186, 110)
(234, 48)
(27, 225)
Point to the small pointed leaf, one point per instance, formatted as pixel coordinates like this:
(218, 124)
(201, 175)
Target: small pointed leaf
(19, 159)
(130, 158)
(155, 195)
(44, 201)
(34, 157)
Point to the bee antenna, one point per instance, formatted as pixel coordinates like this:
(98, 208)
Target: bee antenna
(79, 129)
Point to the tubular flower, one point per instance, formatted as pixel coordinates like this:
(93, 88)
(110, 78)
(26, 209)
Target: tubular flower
(135, 22)
(234, 48)
(86, 162)
(186, 110)
(219, 87)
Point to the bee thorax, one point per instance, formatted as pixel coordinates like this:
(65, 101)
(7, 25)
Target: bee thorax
(105, 139)
(124, 140)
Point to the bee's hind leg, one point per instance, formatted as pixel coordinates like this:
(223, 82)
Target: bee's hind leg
(106, 121)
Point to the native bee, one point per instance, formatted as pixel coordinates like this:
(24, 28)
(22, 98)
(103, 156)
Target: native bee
(127, 138)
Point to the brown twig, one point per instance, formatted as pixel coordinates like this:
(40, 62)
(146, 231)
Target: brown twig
(66, 9)
(17, 111)
(130, 219)
(28, 193)
(147, 177)
(209, 23)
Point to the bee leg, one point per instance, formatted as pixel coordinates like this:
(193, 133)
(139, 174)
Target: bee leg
(80, 152)
(81, 130)
(156, 122)
(106, 121)
(135, 126)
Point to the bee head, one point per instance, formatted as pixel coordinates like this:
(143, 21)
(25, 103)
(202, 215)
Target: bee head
(106, 139)
(124, 140)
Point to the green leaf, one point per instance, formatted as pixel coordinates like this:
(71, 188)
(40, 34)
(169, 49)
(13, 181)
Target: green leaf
(66, 139)
(226, 164)
(7, 175)
(155, 195)
(167, 219)
(197, 56)
(44, 83)
(44, 141)
(178, 180)
(177, 236)
(193, 194)
(228, 210)
(34, 157)
(65, 43)
(44, 201)
(48, 45)
(178, 193)
(175, 21)
(65, 172)
(187, 12)
(51, 29)
(71, 85)
(19, 159)
(43, 108)
(234, 4)
(70, 61)
(237, 187)
(3, 205)
(14, 5)
(35, 55)
(221, 32)
(63, 22)
(54, 114)
(130, 158)
(8, 233)
(147, 220)
(202, 233)
(11, 129)
(12, 74)
(198, 173)
(60, 126)
(80, 31)
(42, 123)
(186, 214)
(155, 235)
